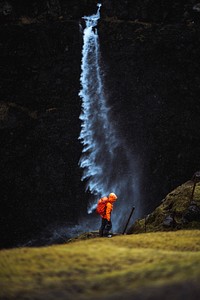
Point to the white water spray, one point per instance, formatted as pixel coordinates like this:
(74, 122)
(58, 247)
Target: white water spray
(107, 164)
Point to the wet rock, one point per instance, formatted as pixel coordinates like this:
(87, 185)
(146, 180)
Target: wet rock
(196, 7)
(169, 221)
(6, 8)
(192, 213)
(196, 176)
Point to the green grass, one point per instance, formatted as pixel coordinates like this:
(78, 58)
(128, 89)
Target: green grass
(99, 267)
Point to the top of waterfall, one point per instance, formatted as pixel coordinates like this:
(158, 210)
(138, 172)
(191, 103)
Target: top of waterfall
(93, 18)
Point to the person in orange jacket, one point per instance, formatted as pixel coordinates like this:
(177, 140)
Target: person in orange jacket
(106, 224)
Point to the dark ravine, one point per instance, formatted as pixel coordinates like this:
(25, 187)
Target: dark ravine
(150, 51)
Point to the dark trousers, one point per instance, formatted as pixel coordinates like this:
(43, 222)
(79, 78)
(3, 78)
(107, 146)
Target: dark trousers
(106, 226)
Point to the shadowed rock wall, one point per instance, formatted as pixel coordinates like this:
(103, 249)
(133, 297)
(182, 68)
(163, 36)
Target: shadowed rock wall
(39, 125)
(152, 77)
(150, 51)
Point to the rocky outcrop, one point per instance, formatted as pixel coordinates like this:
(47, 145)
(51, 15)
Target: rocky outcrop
(180, 209)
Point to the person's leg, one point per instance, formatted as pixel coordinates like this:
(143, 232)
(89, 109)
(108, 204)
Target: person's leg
(107, 228)
(103, 224)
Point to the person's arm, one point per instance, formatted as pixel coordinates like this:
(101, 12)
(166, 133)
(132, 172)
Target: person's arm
(109, 208)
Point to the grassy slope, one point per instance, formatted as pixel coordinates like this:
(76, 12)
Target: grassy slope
(103, 268)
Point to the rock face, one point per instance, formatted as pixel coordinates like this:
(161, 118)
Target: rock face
(154, 11)
(150, 51)
(44, 10)
(39, 123)
(152, 78)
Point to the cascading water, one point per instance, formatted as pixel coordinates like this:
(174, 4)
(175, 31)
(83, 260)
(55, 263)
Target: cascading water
(107, 164)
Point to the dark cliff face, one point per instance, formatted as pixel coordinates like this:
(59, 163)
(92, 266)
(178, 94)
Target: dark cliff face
(152, 78)
(45, 10)
(39, 124)
(153, 84)
(150, 52)
(154, 11)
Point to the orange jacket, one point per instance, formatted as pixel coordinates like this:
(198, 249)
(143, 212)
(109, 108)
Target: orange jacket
(109, 208)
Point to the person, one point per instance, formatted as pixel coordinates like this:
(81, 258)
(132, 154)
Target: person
(106, 224)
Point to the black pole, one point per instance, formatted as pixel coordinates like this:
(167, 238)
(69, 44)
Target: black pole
(133, 208)
(194, 185)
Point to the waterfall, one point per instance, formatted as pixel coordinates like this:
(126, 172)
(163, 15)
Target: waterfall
(107, 164)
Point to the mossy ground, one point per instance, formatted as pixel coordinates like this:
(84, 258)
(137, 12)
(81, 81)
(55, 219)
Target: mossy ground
(101, 268)
(176, 203)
